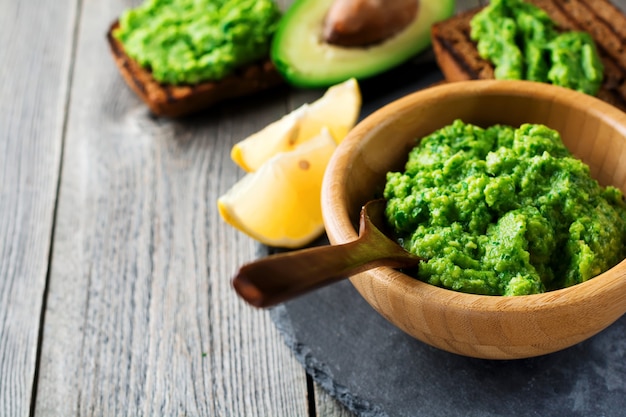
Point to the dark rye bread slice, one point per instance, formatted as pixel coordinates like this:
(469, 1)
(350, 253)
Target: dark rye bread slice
(458, 58)
(179, 100)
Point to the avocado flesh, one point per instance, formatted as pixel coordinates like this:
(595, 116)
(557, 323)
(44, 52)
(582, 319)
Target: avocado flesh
(304, 60)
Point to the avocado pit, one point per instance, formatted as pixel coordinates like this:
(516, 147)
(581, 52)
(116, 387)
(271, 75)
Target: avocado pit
(359, 23)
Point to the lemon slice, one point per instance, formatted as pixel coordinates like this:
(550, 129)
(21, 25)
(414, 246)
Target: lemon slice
(279, 136)
(280, 204)
(338, 110)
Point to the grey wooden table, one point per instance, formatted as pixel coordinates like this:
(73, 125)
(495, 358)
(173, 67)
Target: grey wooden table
(115, 267)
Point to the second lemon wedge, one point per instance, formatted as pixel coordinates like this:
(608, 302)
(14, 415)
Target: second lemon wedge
(337, 110)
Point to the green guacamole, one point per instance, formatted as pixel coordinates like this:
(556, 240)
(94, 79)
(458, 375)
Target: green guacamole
(523, 42)
(504, 211)
(190, 41)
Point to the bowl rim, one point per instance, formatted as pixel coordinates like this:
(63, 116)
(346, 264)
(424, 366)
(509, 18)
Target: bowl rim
(340, 229)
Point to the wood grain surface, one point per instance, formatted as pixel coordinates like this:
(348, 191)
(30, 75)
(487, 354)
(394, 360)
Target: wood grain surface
(35, 62)
(154, 327)
(115, 267)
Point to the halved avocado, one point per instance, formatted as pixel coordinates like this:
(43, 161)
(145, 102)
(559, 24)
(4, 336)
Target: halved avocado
(305, 60)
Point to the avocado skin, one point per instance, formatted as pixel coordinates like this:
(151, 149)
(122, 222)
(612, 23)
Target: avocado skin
(305, 61)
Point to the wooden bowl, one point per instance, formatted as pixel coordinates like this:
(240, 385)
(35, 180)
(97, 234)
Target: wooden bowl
(480, 326)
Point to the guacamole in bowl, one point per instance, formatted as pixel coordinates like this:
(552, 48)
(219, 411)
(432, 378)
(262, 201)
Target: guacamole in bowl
(504, 211)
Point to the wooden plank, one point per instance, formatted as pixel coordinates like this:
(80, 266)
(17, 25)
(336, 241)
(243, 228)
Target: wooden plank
(141, 318)
(327, 406)
(33, 93)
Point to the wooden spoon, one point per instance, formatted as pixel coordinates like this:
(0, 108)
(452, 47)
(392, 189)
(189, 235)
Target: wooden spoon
(280, 277)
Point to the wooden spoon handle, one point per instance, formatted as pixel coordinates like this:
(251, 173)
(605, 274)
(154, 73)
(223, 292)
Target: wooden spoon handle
(280, 277)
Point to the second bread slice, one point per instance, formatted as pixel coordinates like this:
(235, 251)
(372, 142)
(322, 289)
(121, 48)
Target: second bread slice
(459, 60)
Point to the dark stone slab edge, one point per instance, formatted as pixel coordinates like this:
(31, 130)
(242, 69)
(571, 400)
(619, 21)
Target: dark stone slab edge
(321, 373)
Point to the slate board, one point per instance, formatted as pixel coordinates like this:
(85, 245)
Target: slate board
(375, 369)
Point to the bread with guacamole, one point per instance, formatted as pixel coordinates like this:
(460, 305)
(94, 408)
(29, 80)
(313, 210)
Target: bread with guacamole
(181, 56)
(577, 44)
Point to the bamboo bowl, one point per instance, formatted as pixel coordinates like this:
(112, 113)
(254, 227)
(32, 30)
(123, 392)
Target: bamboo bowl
(479, 326)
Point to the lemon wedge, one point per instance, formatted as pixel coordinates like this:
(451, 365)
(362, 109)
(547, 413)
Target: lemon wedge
(338, 110)
(279, 136)
(279, 204)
